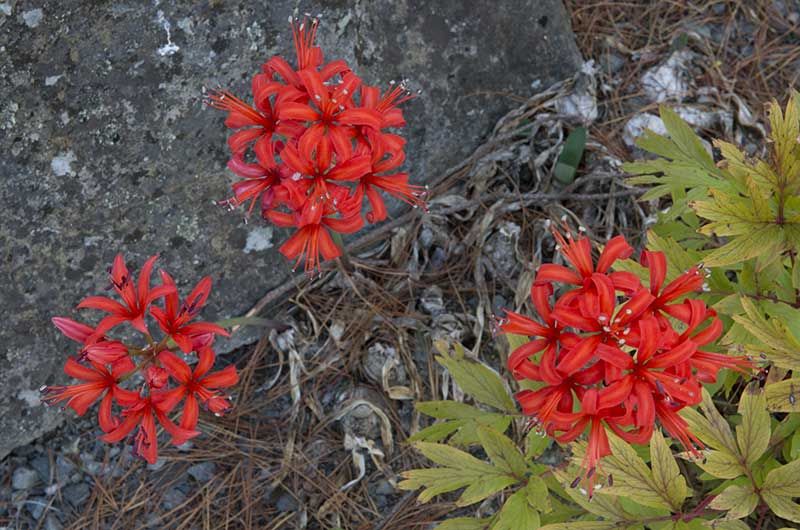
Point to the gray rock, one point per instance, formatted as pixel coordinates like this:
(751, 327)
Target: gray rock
(51, 522)
(76, 494)
(42, 466)
(286, 503)
(202, 472)
(36, 506)
(33, 17)
(116, 153)
(173, 497)
(501, 246)
(65, 468)
(24, 478)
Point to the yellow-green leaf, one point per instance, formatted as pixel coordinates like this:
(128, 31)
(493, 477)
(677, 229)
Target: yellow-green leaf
(685, 138)
(762, 239)
(447, 456)
(784, 480)
(782, 506)
(761, 208)
(737, 501)
(726, 524)
(437, 431)
(712, 429)
(666, 473)
(754, 432)
(722, 464)
(515, 341)
(775, 340)
(435, 481)
(517, 514)
(479, 381)
(783, 396)
(535, 443)
(633, 478)
(448, 409)
(784, 129)
(538, 495)
(484, 487)
(502, 451)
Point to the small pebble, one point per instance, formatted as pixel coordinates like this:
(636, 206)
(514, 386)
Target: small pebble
(33, 17)
(202, 472)
(24, 478)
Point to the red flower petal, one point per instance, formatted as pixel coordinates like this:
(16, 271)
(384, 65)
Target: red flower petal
(550, 272)
(176, 367)
(616, 248)
(224, 378)
(582, 353)
(104, 304)
(361, 116)
(72, 329)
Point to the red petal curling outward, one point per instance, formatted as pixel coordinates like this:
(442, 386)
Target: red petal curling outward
(519, 325)
(550, 272)
(73, 330)
(616, 248)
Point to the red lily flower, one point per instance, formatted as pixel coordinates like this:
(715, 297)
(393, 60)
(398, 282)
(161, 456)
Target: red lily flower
(256, 126)
(548, 338)
(197, 386)
(143, 412)
(313, 240)
(329, 116)
(396, 185)
(309, 56)
(108, 362)
(98, 381)
(318, 134)
(578, 252)
(323, 209)
(175, 319)
(80, 333)
(96, 349)
(137, 298)
(631, 354)
(598, 408)
(388, 103)
(692, 280)
(260, 178)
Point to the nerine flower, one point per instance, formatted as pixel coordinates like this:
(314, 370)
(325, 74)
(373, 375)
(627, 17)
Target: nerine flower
(315, 145)
(631, 354)
(98, 380)
(132, 380)
(197, 386)
(175, 319)
(136, 297)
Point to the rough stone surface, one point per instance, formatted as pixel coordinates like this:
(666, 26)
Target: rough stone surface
(24, 478)
(105, 146)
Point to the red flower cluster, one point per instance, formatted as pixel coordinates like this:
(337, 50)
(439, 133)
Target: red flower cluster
(612, 352)
(313, 145)
(158, 379)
